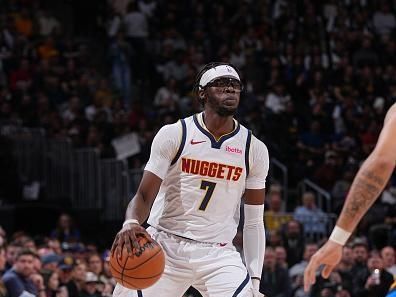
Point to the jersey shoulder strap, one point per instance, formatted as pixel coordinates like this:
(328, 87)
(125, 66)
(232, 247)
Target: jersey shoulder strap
(182, 142)
(247, 151)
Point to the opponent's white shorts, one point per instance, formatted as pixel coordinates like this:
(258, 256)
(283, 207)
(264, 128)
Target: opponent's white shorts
(214, 270)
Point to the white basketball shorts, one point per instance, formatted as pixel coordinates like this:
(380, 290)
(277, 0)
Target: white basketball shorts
(214, 270)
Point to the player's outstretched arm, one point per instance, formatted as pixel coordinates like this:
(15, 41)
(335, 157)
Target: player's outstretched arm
(137, 212)
(366, 187)
(372, 176)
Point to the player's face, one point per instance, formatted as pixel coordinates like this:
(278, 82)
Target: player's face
(222, 96)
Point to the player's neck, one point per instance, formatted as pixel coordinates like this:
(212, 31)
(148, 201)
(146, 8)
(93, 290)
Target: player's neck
(218, 125)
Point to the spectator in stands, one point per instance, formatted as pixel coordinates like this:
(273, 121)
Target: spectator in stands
(120, 59)
(326, 174)
(345, 266)
(313, 219)
(342, 292)
(365, 55)
(12, 251)
(274, 238)
(50, 261)
(384, 20)
(51, 282)
(55, 246)
(62, 291)
(328, 287)
(275, 280)
(166, 99)
(95, 265)
(388, 258)
(3, 290)
(274, 216)
(37, 264)
(3, 236)
(77, 281)
(21, 78)
(281, 257)
(38, 282)
(47, 50)
(48, 24)
(66, 231)
(65, 268)
(137, 32)
(341, 188)
(366, 284)
(106, 269)
(24, 23)
(90, 286)
(17, 280)
(360, 256)
(294, 242)
(296, 272)
(277, 99)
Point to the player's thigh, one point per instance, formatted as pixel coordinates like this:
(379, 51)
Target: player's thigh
(224, 276)
(165, 287)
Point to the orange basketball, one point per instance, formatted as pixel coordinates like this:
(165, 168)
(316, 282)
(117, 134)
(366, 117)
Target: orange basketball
(142, 268)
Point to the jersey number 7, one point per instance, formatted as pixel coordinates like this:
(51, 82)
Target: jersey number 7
(209, 187)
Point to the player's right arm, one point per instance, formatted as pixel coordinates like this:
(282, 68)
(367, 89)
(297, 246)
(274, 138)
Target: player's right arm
(366, 187)
(372, 176)
(163, 149)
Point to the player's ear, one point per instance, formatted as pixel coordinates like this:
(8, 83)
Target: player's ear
(201, 94)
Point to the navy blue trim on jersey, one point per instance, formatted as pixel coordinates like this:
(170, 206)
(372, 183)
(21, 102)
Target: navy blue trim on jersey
(215, 143)
(140, 293)
(247, 149)
(183, 142)
(241, 286)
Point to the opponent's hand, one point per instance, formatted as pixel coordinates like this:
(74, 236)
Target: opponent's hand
(330, 255)
(127, 237)
(256, 287)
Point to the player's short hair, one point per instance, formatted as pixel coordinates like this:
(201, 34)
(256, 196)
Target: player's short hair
(208, 66)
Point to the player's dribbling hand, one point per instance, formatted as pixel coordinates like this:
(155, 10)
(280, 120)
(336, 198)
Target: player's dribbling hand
(330, 255)
(127, 237)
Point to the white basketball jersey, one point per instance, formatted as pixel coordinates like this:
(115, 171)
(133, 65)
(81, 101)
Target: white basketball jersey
(202, 187)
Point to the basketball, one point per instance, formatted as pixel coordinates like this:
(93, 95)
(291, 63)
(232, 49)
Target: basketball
(142, 268)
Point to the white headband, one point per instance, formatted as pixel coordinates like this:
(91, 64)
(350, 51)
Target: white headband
(216, 72)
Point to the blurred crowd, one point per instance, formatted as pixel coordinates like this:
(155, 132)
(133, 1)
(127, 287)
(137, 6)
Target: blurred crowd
(318, 77)
(56, 264)
(62, 263)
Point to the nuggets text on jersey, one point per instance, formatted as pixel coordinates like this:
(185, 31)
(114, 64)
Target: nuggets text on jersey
(211, 169)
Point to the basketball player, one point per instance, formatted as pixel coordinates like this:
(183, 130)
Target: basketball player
(198, 170)
(366, 187)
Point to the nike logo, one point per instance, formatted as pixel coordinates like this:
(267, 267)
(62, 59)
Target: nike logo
(196, 142)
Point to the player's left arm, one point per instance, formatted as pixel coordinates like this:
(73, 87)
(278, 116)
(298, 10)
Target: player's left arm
(253, 230)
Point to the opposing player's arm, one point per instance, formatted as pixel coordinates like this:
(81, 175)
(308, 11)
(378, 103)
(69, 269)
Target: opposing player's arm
(253, 230)
(366, 187)
(372, 176)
